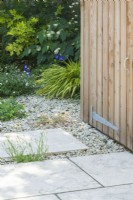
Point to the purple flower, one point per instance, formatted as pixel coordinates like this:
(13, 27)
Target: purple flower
(58, 57)
(26, 69)
(61, 58)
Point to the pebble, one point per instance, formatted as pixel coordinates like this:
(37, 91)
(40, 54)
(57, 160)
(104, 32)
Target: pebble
(36, 107)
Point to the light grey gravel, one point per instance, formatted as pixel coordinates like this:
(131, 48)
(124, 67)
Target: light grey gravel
(36, 107)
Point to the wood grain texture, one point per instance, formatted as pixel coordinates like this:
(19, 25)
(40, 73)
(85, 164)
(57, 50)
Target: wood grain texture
(100, 63)
(130, 75)
(106, 83)
(123, 84)
(111, 64)
(82, 61)
(117, 68)
(105, 61)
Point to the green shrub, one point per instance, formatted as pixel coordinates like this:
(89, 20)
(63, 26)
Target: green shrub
(20, 30)
(35, 30)
(16, 33)
(57, 37)
(60, 82)
(10, 109)
(14, 82)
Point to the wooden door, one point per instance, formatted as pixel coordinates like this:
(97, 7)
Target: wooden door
(107, 67)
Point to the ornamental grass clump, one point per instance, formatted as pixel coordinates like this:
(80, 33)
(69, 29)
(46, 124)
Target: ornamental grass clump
(60, 81)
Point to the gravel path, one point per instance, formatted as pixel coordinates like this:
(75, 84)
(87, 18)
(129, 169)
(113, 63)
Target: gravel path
(43, 113)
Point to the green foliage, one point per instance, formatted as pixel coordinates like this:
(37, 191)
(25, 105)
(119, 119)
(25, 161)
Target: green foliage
(10, 109)
(14, 82)
(57, 37)
(22, 151)
(22, 31)
(60, 82)
(16, 33)
(36, 30)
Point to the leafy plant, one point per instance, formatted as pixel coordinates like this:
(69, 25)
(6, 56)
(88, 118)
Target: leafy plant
(23, 151)
(35, 30)
(14, 82)
(57, 37)
(60, 82)
(22, 32)
(10, 109)
(16, 33)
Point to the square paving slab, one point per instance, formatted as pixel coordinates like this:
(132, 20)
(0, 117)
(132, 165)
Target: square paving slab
(113, 193)
(56, 140)
(40, 178)
(108, 169)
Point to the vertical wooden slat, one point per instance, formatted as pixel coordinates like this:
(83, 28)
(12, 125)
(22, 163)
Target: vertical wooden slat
(99, 62)
(91, 71)
(91, 60)
(130, 75)
(132, 71)
(105, 63)
(111, 64)
(93, 54)
(123, 103)
(82, 61)
(117, 68)
(86, 60)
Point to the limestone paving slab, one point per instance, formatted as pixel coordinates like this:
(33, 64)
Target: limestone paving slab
(56, 140)
(41, 178)
(113, 193)
(46, 197)
(108, 169)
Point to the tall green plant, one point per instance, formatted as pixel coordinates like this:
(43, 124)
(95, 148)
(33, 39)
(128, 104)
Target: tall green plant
(60, 82)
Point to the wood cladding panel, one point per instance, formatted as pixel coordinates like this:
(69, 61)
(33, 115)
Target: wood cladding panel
(107, 66)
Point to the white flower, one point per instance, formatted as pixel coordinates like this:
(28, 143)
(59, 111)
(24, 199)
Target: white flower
(56, 51)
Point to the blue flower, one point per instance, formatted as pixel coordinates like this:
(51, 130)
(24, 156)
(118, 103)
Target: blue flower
(26, 69)
(61, 58)
(58, 57)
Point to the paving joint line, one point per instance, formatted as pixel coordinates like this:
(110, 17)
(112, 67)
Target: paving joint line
(93, 189)
(124, 184)
(54, 194)
(80, 190)
(58, 196)
(86, 172)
